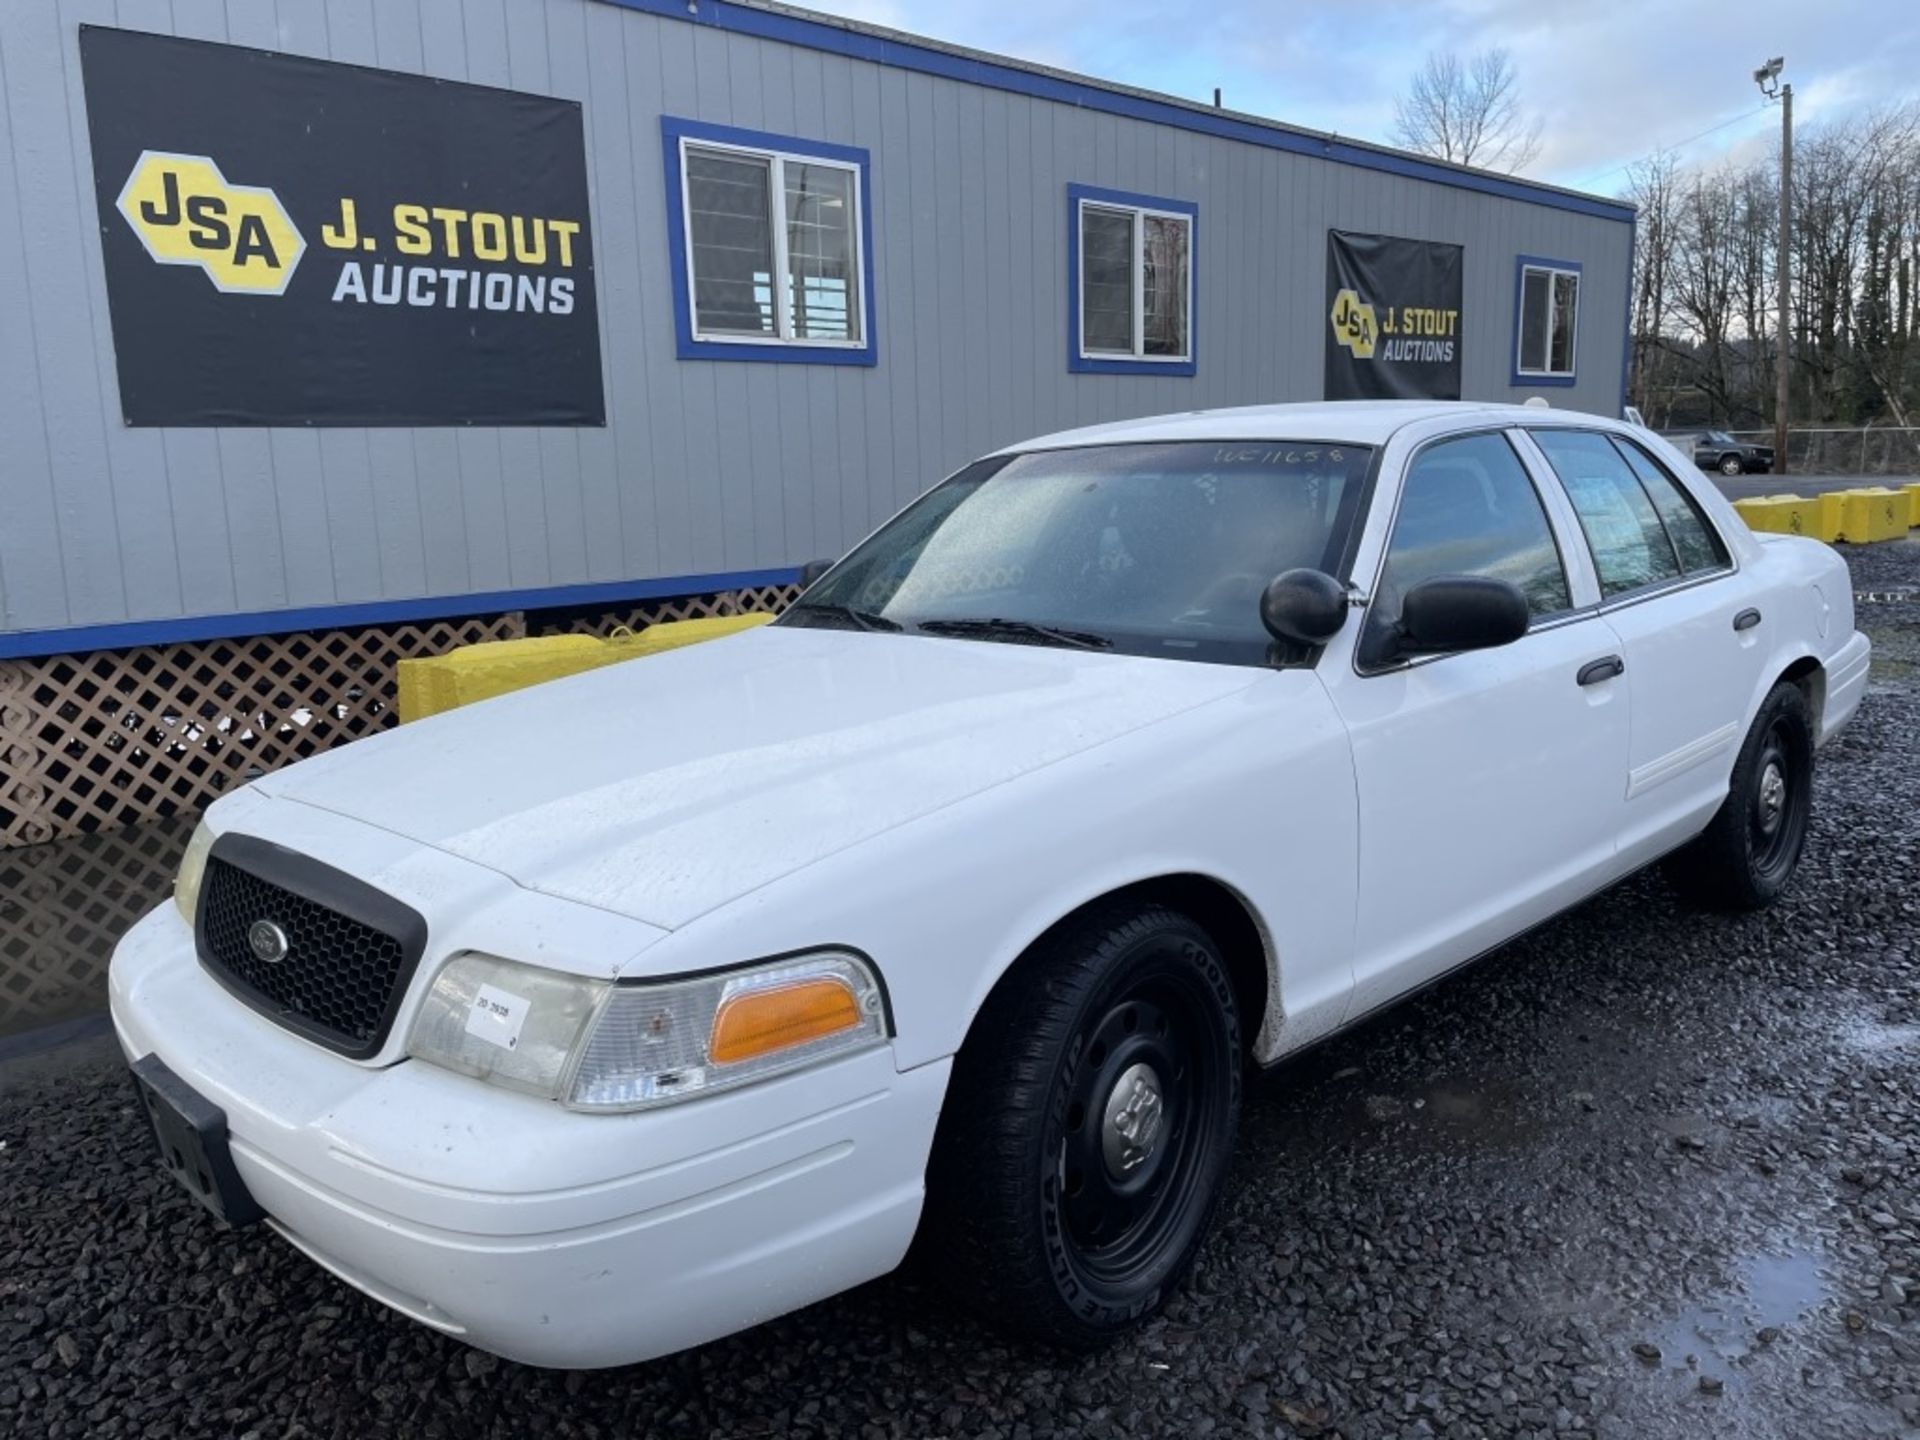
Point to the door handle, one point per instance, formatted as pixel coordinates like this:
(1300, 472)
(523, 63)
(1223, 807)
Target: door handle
(1746, 620)
(1605, 668)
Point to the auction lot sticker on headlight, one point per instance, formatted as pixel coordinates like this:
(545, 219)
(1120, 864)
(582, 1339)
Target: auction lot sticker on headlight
(497, 1016)
(290, 241)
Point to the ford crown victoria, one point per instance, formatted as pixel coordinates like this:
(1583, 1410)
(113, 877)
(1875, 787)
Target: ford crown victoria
(609, 1017)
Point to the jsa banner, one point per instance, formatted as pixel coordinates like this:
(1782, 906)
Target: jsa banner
(297, 242)
(1393, 316)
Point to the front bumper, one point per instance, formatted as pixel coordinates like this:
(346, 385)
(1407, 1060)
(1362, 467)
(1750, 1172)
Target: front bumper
(546, 1236)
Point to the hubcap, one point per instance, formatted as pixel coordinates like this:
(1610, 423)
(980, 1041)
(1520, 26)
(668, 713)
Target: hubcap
(1133, 1144)
(1132, 1121)
(1778, 815)
(1772, 799)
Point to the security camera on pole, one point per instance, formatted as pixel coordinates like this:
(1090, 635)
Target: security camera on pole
(1767, 77)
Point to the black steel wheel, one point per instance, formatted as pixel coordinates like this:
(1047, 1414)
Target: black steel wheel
(1088, 1126)
(1780, 800)
(1731, 464)
(1746, 856)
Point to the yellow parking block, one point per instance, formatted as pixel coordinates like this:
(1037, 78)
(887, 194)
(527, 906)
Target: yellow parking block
(1913, 504)
(1869, 514)
(480, 672)
(672, 634)
(1902, 502)
(1761, 512)
(1789, 515)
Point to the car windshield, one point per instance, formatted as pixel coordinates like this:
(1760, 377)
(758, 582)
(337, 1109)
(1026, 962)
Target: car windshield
(1719, 437)
(1149, 549)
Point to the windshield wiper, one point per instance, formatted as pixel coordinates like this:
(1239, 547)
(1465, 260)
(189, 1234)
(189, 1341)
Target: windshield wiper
(865, 619)
(1025, 630)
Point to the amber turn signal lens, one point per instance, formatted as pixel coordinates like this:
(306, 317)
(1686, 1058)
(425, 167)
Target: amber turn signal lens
(759, 1022)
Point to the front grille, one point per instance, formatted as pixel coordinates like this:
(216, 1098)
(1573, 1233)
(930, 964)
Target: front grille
(344, 968)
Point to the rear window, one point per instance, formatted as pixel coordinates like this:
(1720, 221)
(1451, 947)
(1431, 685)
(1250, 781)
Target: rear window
(1695, 541)
(1630, 546)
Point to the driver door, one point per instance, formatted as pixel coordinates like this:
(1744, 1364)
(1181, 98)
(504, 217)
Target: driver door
(1490, 782)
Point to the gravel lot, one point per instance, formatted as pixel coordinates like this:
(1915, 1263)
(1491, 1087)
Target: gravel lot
(1642, 1173)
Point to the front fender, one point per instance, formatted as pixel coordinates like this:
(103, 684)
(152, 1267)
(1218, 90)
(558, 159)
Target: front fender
(1254, 791)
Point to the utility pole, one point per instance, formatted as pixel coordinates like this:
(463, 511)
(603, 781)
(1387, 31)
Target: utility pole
(1767, 77)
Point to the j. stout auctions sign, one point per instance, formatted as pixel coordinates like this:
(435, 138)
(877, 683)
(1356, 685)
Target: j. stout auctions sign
(1393, 317)
(296, 242)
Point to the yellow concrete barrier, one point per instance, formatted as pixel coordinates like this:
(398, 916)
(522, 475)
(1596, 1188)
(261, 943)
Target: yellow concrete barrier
(1859, 516)
(480, 672)
(672, 634)
(1870, 514)
(1790, 515)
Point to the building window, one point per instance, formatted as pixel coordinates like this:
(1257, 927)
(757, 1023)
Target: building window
(1546, 321)
(772, 246)
(1129, 283)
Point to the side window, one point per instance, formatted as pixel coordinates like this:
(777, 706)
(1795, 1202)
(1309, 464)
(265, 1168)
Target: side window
(1694, 539)
(1630, 545)
(769, 239)
(1546, 322)
(1468, 508)
(1130, 259)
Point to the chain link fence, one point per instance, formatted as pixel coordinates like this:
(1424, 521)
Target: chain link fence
(1853, 450)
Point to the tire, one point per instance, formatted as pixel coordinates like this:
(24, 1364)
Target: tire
(1732, 465)
(1064, 1200)
(1747, 855)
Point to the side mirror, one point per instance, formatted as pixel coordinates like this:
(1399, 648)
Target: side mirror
(1306, 607)
(1460, 612)
(812, 571)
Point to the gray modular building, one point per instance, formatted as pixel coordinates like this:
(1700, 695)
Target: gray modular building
(637, 299)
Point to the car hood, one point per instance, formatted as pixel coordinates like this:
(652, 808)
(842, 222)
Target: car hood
(662, 788)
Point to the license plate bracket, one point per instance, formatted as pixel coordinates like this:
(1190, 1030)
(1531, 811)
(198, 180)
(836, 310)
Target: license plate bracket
(192, 1135)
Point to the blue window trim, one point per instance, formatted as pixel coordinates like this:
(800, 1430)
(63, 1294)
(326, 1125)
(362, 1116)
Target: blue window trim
(1523, 263)
(672, 131)
(1130, 365)
(835, 37)
(73, 639)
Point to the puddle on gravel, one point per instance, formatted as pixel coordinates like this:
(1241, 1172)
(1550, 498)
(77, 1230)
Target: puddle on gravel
(1873, 1037)
(1481, 1113)
(64, 906)
(1711, 1336)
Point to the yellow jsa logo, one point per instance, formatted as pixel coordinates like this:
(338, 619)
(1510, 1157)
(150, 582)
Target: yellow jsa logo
(186, 213)
(1354, 325)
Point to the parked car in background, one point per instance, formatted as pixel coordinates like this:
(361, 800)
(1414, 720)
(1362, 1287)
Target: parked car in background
(616, 1014)
(1717, 450)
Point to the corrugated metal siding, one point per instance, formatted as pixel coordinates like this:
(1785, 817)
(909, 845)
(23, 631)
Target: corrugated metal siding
(704, 466)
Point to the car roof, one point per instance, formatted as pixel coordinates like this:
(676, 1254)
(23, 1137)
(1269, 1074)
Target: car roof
(1349, 422)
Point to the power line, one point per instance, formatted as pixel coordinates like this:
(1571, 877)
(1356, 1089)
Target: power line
(1679, 144)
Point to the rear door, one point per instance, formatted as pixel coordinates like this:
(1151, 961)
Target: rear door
(1691, 637)
(1489, 782)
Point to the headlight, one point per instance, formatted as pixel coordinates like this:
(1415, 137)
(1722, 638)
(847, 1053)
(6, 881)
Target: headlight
(193, 867)
(600, 1046)
(516, 1025)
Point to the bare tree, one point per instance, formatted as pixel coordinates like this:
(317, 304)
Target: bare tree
(1653, 185)
(1706, 270)
(1469, 113)
(1703, 311)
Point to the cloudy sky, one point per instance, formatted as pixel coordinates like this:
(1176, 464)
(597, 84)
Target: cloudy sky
(1613, 79)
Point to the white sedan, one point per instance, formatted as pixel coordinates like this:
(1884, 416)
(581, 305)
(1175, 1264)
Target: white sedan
(615, 1015)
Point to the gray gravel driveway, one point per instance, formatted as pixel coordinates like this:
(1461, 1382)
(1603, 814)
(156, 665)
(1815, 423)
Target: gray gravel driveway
(1643, 1173)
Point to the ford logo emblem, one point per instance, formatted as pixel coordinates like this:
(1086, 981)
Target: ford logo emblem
(267, 941)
